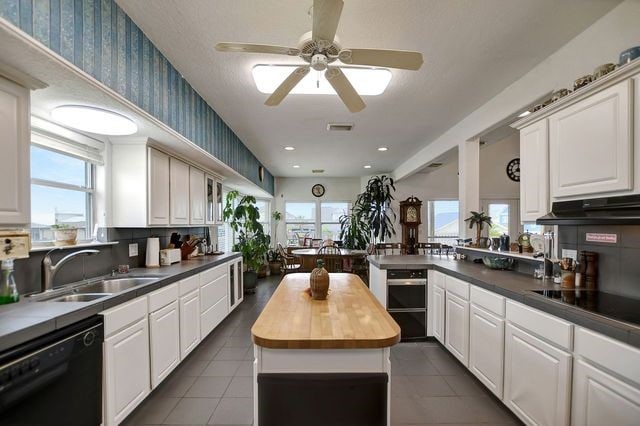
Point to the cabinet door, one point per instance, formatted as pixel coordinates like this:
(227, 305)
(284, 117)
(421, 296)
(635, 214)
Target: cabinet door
(196, 196)
(158, 190)
(15, 190)
(126, 371)
(537, 379)
(591, 149)
(602, 399)
(486, 348)
(210, 208)
(438, 313)
(189, 322)
(219, 201)
(239, 282)
(164, 330)
(456, 334)
(231, 277)
(179, 192)
(534, 171)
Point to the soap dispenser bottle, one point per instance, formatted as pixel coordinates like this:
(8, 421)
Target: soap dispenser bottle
(8, 290)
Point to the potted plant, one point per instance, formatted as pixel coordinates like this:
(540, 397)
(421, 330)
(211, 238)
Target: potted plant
(64, 235)
(354, 231)
(253, 243)
(478, 219)
(273, 257)
(374, 206)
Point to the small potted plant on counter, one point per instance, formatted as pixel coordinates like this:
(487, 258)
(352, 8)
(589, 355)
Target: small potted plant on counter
(64, 235)
(253, 243)
(478, 219)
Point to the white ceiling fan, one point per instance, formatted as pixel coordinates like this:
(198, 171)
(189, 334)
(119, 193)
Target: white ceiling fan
(320, 48)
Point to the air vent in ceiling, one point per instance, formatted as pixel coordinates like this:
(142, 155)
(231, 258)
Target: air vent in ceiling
(340, 127)
(434, 165)
(317, 171)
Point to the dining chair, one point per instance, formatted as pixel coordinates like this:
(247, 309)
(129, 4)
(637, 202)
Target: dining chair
(391, 248)
(288, 262)
(428, 248)
(331, 257)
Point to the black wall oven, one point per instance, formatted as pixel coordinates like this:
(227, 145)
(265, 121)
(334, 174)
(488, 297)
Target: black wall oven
(407, 302)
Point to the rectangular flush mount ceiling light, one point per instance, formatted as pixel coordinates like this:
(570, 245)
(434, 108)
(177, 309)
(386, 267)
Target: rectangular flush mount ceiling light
(366, 81)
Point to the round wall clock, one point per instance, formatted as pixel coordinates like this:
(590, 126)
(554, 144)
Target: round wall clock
(513, 170)
(317, 190)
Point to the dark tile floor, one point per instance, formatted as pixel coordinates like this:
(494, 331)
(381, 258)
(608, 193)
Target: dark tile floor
(214, 384)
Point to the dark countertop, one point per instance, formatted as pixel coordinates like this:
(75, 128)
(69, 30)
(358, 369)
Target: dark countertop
(29, 319)
(515, 286)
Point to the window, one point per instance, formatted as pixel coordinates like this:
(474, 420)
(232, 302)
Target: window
(443, 221)
(505, 216)
(62, 190)
(264, 207)
(226, 236)
(330, 219)
(532, 228)
(300, 219)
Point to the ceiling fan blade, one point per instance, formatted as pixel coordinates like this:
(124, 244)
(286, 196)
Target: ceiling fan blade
(287, 85)
(344, 89)
(257, 48)
(326, 15)
(402, 59)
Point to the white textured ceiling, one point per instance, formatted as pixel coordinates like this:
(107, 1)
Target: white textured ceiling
(472, 50)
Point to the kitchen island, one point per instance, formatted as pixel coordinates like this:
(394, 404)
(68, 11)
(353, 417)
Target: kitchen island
(323, 361)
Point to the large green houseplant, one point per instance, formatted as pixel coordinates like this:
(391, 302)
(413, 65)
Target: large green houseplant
(374, 206)
(355, 232)
(252, 242)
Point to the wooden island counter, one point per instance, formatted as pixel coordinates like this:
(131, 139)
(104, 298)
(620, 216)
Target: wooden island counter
(323, 361)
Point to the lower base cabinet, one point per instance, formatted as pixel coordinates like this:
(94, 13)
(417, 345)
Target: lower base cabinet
(164, 330)
(127, 380)
(486, 349)
(189, 322)
(456, 333)
(438, 313)
(537, 379)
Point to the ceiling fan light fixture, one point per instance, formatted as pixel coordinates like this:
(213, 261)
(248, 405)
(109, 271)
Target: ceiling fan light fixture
(366, 81)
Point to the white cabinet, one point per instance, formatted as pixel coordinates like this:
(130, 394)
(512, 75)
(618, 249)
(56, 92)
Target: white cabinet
(537, 379)
(236, 288)
(210, 207)
(436, 305)
(189, 322)
(178, 192)
(591, 144)
(214, 305)
(126, 359)
(158, 187)
(456, 334)
(196, 196)
(486, 348)
(534, 171)
(164, 330)
(15, 190)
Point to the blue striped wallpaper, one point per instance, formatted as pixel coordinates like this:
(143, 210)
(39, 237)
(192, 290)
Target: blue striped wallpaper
(99, 38)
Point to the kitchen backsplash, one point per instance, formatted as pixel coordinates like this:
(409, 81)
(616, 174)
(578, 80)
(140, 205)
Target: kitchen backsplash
(619, 262)
(28, 271)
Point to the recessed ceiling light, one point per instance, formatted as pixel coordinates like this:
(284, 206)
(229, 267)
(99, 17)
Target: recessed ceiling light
(368, 166)
(524, 114)
(366, 81)
(94, 120)
(383, 149)
(296, 166)
(289, 148)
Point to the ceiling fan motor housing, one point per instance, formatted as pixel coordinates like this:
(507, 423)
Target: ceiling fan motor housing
(319, 62)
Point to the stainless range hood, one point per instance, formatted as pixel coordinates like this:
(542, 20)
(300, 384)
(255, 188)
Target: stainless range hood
(596, 211)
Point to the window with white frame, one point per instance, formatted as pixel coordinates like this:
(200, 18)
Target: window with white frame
(226, 236)
(330, 213)
(505, 216)
(62, 193)
(443, 219)
(264, 207)
(314, 219)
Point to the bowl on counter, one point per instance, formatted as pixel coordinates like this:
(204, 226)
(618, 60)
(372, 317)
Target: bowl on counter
(498, 262)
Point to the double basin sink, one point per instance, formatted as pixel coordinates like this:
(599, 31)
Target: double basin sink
(96, 290)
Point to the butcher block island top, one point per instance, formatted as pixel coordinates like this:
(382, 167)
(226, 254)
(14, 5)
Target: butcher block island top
(350, 318)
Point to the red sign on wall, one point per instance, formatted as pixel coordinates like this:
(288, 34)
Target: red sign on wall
(595, 237)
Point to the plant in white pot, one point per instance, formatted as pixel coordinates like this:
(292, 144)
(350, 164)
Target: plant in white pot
(64, 235)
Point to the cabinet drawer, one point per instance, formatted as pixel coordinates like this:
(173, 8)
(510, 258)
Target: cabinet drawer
(123, 315)
(544, 325)
(187, 285)
(210, 319)
(212, 274)
(212, 292)
(458, 287)
(488, 300)
(614, 355)
(161, 298)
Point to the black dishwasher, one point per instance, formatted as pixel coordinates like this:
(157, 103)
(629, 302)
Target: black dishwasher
(407, 301)
(55, 379)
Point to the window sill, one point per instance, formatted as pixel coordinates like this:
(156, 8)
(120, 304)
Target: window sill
(83, 244)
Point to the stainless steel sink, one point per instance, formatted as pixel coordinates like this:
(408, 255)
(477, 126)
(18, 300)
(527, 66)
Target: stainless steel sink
(115, 285)
(86, 297)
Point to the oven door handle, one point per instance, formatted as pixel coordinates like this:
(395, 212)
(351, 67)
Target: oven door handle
(23, 390)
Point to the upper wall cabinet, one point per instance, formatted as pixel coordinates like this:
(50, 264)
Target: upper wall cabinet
(534, 171)
(158, 187)
(14, 151)
(196, 196)
(214, 190)
(591, 145)
(179, 192)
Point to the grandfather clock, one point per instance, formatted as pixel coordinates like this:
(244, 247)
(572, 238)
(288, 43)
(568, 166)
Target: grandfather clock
(410, 221)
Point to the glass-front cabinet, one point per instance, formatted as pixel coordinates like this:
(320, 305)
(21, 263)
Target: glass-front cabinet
(219, 201)
(236, 287)
(210, 217)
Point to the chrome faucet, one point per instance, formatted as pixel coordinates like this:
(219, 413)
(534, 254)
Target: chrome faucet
(49, 270)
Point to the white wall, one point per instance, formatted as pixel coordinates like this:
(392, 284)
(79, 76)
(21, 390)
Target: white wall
(299, 189)
(600, 43)
(494, 158)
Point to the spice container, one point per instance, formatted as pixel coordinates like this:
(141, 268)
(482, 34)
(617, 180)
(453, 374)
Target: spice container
(568, 273)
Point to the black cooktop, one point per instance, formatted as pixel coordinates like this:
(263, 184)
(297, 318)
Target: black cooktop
(606, 304)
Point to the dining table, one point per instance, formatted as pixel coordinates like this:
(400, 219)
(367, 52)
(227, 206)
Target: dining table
(309, 256)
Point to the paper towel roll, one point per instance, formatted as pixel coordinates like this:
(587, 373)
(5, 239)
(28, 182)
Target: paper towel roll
(153, 252)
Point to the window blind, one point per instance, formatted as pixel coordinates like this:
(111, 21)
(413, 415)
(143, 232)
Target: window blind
(57, 138)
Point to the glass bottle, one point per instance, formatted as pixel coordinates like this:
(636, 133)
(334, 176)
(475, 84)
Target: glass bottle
(8, 289)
